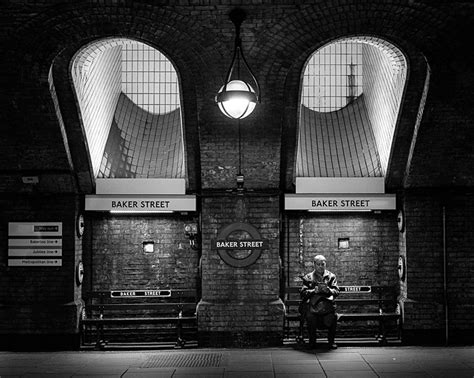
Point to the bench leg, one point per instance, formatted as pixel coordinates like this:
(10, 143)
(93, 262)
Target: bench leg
(382, 333)
(300, 336)
(180, 342)
(100, 342)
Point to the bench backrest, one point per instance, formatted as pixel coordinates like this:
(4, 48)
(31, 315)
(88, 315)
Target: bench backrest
(131, 294)
(353, 298)
(138, 302)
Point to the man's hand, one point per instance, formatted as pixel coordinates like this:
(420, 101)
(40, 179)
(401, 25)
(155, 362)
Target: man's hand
(323, 288)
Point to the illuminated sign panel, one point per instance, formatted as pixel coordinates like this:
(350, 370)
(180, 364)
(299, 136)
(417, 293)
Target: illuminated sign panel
(340, 202)
(140, 204)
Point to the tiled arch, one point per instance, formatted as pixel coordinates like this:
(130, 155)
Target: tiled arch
(126, 118)
(351, 96)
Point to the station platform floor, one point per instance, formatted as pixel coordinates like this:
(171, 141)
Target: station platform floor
(282, 362)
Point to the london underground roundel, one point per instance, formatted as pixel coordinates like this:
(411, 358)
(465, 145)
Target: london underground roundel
(226, 245)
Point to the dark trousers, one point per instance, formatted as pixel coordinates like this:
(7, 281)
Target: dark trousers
(315, 322)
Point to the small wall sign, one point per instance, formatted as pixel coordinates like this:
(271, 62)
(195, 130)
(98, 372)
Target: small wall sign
(401, 268)
(79, 273)
(141, 293)
(80, 225)
(401, 220)
(356, 289)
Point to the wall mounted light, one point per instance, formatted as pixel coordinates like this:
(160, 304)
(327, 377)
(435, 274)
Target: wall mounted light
(237, 98)
(32, 180)
(148, 246)
(343, 243)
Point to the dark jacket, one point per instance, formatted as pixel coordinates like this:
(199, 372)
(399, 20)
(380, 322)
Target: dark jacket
(310, 293)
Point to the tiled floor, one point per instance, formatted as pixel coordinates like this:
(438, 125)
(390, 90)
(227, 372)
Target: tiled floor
(285, 362)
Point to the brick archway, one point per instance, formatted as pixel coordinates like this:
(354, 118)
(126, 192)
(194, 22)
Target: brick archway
(160, 27)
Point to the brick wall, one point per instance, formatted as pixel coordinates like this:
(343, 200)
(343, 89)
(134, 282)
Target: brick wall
(460, 264)
(116, 259)
(259, 152)
(370, 260)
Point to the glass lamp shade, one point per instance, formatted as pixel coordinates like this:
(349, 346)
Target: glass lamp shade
(236, 99)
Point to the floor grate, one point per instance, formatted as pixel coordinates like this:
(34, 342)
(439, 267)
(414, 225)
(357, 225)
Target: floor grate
(183, 360)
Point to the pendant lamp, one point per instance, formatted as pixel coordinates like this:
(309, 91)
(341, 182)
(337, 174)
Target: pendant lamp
(237, 98)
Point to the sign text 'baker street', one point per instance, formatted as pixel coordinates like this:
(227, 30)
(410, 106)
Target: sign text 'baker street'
(324, 203)
(140, 293)
(140, 203)
(240, 244)
(340, 202)
(134, 205)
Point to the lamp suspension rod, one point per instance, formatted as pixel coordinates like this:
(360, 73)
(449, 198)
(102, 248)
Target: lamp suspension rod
(240, 149)
(251, 73)
(237, 16)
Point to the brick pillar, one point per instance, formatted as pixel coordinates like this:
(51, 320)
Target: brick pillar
(240, 306)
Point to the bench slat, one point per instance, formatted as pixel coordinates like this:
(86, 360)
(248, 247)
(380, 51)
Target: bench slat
(368, 316)
(140, 306)
(296, 302)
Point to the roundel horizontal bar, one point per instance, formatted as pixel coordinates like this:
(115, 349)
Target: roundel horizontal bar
(255, 252)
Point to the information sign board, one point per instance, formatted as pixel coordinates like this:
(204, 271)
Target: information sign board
(34, 262)
(35, 244)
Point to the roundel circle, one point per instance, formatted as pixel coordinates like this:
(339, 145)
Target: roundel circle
(231, 260)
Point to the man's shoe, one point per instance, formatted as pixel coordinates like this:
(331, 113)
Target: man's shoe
(332, 346)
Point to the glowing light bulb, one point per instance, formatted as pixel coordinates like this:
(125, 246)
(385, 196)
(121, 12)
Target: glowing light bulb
(237, 99)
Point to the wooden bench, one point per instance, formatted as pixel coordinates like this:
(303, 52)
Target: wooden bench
(354, 304)
(160, 314)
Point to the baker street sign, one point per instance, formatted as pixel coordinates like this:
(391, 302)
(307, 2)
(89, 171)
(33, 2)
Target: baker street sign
(240, 244)
(340, 202)
(226, 243)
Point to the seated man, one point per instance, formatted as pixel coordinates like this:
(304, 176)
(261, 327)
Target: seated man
(317, 307)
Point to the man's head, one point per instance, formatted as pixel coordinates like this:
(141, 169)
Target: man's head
(319, 263)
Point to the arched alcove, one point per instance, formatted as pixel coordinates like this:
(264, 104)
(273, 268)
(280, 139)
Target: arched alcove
(128, 97)
(349, 104)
